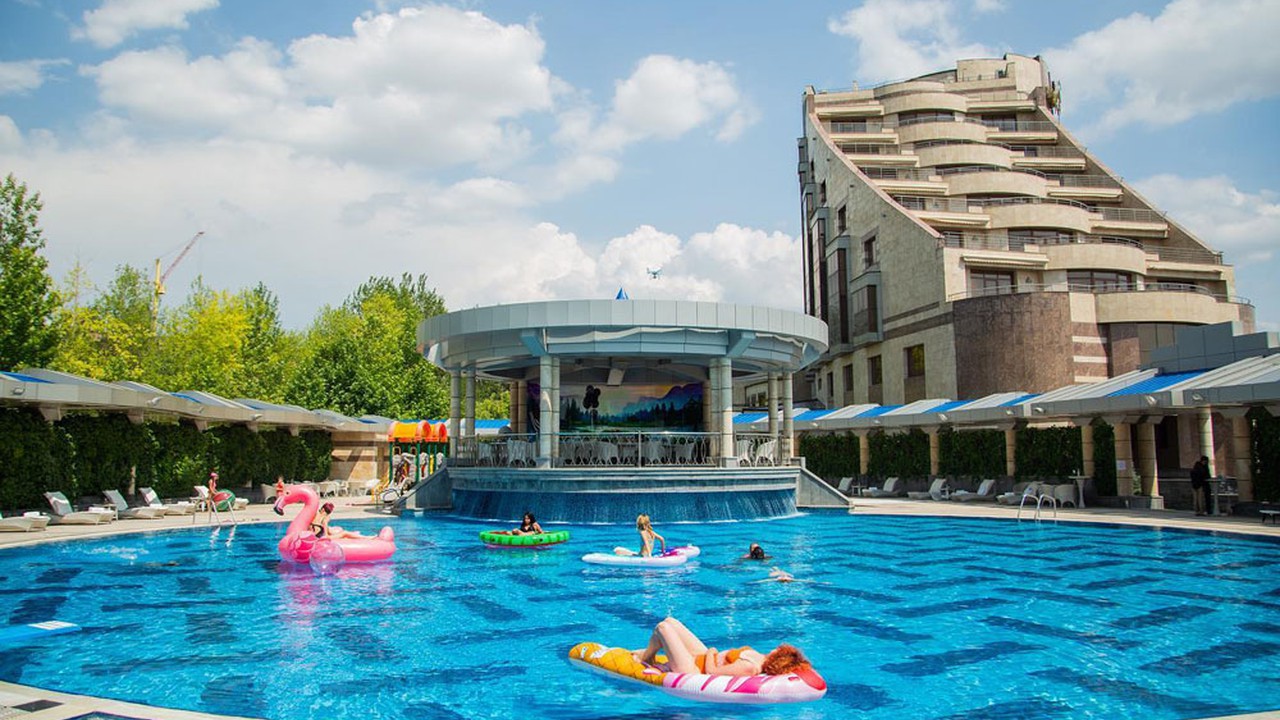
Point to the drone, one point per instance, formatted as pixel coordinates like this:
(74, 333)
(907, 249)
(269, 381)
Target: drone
(653, 272)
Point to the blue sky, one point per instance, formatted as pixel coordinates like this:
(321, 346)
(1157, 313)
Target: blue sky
(518, 150)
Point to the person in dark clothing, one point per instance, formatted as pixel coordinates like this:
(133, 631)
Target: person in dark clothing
(1200, 485)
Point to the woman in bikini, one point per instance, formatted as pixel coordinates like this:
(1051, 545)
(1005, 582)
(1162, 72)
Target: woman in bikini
(320, 526)
(687, 654)
(528, 526)
(647, 536)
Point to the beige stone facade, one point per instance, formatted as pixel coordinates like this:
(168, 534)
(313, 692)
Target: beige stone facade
(959, 242)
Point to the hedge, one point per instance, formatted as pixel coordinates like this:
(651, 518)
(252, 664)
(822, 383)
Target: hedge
(84, 454)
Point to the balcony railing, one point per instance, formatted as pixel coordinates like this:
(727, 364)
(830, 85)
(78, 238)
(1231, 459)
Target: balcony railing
(1046, 151)
(645, 448)
(1021, 126)
(1131, 215)
(1097, 289)
(873, 126)
(1084, 181)
(1010, 241)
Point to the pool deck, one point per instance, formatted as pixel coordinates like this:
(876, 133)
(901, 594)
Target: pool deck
(29, 703)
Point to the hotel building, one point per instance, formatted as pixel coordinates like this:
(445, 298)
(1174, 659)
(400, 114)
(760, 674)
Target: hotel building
(958, 242)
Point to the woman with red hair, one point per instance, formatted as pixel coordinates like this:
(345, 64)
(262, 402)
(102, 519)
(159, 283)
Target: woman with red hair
(687, 654)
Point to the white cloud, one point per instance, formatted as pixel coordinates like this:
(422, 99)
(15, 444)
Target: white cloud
(986, 6)
(25, 75)
(10, 135)
(426, 87)
(905, 38)
(1195, 57)
(1246, 226)
(115, 21)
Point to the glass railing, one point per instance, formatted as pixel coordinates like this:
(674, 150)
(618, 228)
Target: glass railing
(1097, 289)
(642, 448)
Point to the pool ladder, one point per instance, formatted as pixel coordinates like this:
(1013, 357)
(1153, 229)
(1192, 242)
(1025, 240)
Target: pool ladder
(1032, 492)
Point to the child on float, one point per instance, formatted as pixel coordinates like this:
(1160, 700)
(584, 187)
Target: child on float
(320, 526)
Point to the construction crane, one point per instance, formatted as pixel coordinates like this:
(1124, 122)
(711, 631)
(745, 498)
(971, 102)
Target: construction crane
(161, 277)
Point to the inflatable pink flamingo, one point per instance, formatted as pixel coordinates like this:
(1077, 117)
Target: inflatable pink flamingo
(300, 539)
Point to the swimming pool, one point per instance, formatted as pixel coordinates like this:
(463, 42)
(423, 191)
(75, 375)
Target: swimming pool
(904, 616)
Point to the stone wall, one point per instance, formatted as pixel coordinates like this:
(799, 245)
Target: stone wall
(1013, 342)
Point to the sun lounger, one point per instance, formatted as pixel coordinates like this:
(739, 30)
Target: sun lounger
(152, 499)
(937, 491)
(18, 524)
(116, 500)
(65, 514)
(890, 489)
(986, 491)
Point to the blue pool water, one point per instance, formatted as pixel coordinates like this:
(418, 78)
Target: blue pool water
(905, 617)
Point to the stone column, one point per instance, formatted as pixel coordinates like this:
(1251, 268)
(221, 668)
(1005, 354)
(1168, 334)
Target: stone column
(470, 428)
(1124, 458)
(455, 410)
(1204, 418)
(1086, 450)
(864, 451)
(544, 411)
(1011, 451)
(773, 406)
(1147, 462)
(1241, 452)
(555, 407)
(788, 419)
(935, 450)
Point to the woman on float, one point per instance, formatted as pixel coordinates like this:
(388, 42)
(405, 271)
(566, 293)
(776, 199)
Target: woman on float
(687, 654)
(528, 526)
(320, 526)
(647, 536)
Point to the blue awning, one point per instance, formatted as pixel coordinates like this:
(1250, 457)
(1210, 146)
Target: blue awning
(1157, 383)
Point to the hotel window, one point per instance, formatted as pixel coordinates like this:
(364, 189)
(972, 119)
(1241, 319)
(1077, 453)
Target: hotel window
(914, 357)
(1039, 236)
(848, 377)
(1099, 281)
(914, 118)
(822, 193)
(869, 253)
(866, 310)
(840, 219)
(831, 384)
(990, 283)
(875, 373)
(879, 173)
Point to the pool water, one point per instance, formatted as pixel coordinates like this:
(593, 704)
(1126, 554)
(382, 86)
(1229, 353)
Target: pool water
(905, 617)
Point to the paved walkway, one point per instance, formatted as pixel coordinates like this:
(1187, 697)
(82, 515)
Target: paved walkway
(28, 703)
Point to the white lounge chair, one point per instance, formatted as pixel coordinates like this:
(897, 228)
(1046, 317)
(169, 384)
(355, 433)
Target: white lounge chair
(890, 489)
(937, 491)
(152, 499)
(1014, 496)
(986, 491)
(116, 500)
(19, 524)
(65, 514)
(845, 484)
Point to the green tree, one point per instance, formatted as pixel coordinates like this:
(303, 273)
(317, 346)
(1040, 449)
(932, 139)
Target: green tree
(111, 338)
(28, 301)
(201, 344)
(361, 358)
(270, 352)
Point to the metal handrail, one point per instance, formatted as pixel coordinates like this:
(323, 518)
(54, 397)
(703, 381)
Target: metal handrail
(985, 240)
(1102, 289)
(1084, 181)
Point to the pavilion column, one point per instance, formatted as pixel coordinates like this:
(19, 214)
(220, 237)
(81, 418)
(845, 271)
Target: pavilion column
(521, 424)
(772, 404)
(1011, 451)
(455, 410)
(708, 422)
(1204, 418)
(1124, 458)
(1086, 449)
(722, 376)
(555, 407)
(935, 450)
(544, 411)
(1147, 461)
(470, 422)
(864, 450)
(512, 403)
(788, 420)
(1241, 452)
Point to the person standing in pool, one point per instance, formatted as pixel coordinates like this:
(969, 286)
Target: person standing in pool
(647, 536)
(755, 552)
